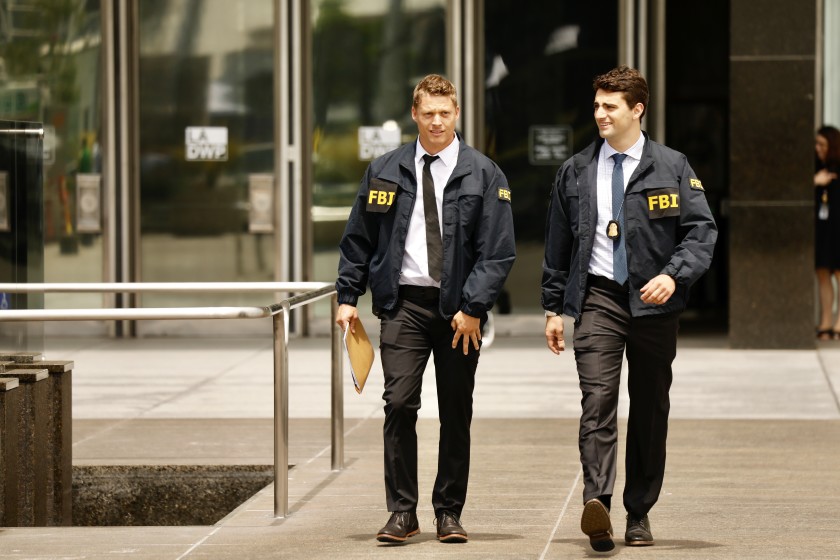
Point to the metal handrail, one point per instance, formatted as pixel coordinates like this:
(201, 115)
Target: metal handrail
(157, 287)
(23, 131)
(313, 291)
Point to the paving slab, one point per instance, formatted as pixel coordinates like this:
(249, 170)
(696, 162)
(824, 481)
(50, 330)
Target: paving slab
(729, 486)
(752, 456)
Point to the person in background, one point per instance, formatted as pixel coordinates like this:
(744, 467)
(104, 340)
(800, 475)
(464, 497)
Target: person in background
(431, 232)
(827, 234)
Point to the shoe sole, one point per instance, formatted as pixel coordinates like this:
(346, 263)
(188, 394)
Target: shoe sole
(638, 543)
(384, 537)
(595, 523)
(453, 538)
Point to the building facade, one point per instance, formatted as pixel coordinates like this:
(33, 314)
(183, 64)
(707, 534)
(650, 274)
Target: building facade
(223, 140)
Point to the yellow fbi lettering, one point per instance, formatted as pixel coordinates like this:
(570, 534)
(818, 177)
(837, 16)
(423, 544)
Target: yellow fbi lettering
(381, 198)
(663, 201)
(504, 194)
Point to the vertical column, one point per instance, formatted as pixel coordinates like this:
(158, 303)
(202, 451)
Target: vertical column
(9, 412)
(59, 439)
(772, 76)
(22, 231)
(33, 499)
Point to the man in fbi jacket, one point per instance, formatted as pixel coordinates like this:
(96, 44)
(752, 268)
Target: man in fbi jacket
(431, 232)
(628, 232)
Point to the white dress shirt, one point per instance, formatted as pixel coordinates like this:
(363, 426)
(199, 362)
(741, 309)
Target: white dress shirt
(601, 263)
(415, 263)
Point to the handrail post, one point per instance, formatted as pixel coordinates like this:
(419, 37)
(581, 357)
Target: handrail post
(337, 390)
(281, 414)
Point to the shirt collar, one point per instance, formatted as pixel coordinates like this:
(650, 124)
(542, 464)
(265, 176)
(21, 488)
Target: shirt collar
(634, 151)
(448, 155)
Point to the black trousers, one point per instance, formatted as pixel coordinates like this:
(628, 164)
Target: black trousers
(605, 330)
(410, 333)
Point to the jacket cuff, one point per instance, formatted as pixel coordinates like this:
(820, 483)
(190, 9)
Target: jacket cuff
(346, 298)
(671, 271)
(474, 309)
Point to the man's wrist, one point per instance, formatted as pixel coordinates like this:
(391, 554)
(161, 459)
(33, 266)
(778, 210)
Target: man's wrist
(551, 313)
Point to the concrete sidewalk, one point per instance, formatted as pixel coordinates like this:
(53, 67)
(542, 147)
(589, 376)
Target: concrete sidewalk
(753, 465)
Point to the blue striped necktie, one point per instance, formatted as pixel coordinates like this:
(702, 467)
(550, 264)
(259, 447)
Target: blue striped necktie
(619, 250)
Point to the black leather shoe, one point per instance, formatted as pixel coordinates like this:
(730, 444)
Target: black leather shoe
(449, 528)
(400, 526)
(638, 531)
(595, 522)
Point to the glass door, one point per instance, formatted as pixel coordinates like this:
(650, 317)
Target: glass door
(50, 55)
(206, 150)
(367, 56)
(537, 74)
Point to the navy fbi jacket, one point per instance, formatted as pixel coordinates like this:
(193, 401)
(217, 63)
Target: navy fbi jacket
(478, 244)
(668, 225)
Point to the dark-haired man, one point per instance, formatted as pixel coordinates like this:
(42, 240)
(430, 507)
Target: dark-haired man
(431, 231)
(628, 232)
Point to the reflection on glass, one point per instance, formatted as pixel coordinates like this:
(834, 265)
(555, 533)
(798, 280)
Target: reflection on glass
(367, 57)
(206, 66)
(539, 66)
(51, 73)
(21, 230)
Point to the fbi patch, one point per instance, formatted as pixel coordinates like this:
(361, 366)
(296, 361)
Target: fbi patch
(381, 195)
(696, 185)
(504, 194)
(663, 203)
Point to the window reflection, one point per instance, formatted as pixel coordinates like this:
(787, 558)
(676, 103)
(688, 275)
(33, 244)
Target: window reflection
(367, 57)
(204, 64)
(50, 72)
(539, 66)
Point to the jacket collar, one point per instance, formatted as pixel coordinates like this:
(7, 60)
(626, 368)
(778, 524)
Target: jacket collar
(589, 156)
(462, 167)
(647, 158)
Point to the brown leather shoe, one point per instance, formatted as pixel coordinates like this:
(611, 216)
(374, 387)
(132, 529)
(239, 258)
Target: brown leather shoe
(638, 531)
(595, 522)
(400, 526)
(449, 529)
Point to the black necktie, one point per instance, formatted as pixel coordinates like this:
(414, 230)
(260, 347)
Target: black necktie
(434, 247)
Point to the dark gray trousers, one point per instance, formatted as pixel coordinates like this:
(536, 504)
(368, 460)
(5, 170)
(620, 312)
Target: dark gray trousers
(410, 333)
(605, 330)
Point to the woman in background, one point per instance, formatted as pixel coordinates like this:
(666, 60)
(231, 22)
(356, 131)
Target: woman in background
(827, 238)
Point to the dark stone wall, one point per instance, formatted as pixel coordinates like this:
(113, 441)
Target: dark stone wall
(772, 69)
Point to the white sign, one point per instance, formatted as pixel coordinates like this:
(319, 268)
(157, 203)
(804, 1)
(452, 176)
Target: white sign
(207, 143)
(49, 144)
(261, 196)
(375, 141)
(549, 144)
(88, 208)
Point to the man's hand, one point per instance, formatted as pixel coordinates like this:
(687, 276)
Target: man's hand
(467, 327)
(659, 290)
(347, 316)
(554, 334)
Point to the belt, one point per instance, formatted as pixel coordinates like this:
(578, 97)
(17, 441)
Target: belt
(605, 283)
(424, 294)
